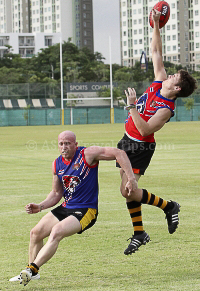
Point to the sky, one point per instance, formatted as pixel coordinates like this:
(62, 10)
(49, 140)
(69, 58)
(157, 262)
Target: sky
(107, 24)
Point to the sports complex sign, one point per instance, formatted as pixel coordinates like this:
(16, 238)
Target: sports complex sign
(88, 87)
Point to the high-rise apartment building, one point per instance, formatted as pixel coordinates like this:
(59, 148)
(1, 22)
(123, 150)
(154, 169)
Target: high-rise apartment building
(72, 18)
(83, 23)
(180, 36)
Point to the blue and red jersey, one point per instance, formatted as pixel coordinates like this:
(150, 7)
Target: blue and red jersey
(147, 105)
(79, 180)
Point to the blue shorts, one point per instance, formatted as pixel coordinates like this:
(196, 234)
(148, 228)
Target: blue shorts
(86, 216)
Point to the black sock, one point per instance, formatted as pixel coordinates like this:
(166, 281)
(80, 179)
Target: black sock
(135, 211)
(34, 269)
(151, 199)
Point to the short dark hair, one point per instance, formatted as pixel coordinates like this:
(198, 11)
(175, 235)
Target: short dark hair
(187, 84)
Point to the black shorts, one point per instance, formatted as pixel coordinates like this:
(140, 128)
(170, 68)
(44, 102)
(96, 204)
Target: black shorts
(86, 216)
(139, 153)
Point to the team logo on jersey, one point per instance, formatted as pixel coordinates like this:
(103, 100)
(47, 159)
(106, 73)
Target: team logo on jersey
(76, 166)
(141, 103)
(153, 103)
(70, 183)
(60, 172)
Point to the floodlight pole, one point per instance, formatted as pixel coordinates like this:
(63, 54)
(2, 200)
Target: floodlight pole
(61, 80)
(111, 87)
(61, 69)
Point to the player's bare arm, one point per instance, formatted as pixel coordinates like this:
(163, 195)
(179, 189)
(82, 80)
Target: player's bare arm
(156, 122)
(94, 154)
(156, 48)
(52, 199)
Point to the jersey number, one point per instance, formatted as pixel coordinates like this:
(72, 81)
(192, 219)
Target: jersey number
(141, 103)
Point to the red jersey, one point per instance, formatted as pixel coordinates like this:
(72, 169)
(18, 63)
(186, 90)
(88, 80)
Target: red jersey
(147, 105)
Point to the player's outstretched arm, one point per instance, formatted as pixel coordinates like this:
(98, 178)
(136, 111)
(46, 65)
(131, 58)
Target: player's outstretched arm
(156, 49)
(95, 153)
(52, 199)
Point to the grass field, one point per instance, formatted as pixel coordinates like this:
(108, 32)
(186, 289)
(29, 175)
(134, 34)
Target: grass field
(95, 259)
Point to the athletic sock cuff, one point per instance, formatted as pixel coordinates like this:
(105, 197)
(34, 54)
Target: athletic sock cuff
(34, 268)
(133, 204)
(144, 196)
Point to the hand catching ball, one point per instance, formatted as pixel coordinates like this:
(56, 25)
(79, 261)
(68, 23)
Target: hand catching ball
(164, 8)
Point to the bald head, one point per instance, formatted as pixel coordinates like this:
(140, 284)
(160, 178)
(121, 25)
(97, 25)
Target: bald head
(67, 144)
(67, 134)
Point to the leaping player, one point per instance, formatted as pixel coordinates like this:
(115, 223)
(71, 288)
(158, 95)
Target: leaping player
(148, 114)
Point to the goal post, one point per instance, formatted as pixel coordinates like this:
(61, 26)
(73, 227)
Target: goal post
(78, 99)
(112, 116)
(112, 119)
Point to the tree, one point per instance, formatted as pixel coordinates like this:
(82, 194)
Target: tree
(71, 71)
(189, 105)
(79, 65)
(106, 92)
(12, 76)
(98, 57)
(101, 72)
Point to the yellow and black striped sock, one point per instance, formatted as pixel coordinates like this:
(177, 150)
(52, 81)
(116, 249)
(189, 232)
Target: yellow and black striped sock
(151, 199)
(34, 268)
(135, 210)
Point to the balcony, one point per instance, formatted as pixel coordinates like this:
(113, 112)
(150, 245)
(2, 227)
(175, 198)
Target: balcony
(31, 44)
(27, 55)
(4, 42)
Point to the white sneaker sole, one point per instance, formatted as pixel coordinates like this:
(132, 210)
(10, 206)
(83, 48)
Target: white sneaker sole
(15, 279)
(18, 278)
(25, 276)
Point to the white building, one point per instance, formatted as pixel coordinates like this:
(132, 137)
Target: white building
(180, 36)
(27, 44)
(14, 16)
(72, 18)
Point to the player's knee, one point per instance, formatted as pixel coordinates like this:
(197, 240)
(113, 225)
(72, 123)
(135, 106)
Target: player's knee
(56, 234)
(35, 234)
(124, 192)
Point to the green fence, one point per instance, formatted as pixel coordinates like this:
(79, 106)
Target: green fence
(24, 117)
(29, 117)
(80, 115)
(46, 115)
